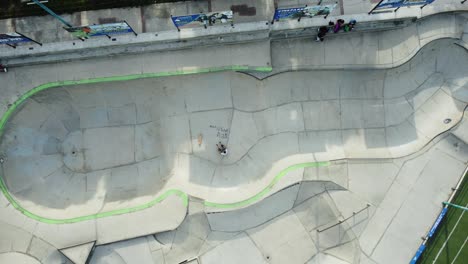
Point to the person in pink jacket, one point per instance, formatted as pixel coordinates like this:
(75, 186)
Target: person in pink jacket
(338, 25)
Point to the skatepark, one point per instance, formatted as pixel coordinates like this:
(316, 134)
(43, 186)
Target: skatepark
(338, 151)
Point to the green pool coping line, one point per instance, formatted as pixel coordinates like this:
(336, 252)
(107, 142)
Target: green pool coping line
(270, 186)
(179, 193)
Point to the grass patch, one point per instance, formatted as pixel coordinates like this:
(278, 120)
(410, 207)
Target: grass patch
(452, 250)
(15, 8)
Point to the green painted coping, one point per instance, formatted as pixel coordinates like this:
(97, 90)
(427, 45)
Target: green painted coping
(163, 196)
(269, 187)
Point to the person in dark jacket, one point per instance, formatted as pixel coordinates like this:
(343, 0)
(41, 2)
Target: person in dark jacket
(3, 68)
(322, 31)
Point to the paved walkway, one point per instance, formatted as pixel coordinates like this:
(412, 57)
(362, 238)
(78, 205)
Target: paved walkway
(156, 18)
(87, 139)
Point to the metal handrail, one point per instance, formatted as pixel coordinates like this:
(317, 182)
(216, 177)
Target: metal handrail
(344, 220)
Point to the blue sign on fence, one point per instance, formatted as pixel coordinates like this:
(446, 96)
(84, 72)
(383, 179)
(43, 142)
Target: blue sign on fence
(12, 38)
(434, 227)
(400, 3)
(291, 13)
(417, 2)
(180, 21)
(100, 30)
(421, 248)
(203, 19)
(389, 4)
(437, 222)
(306, 11)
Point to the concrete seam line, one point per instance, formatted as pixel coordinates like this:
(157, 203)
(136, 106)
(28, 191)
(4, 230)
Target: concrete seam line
(163, 196)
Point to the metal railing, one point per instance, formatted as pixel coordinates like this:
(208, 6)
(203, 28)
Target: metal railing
(339, 233)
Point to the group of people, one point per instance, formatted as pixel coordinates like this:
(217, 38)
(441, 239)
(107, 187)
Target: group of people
(335, 27)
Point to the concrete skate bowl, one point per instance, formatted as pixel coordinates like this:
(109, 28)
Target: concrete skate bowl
(82, 149)
(16, 257)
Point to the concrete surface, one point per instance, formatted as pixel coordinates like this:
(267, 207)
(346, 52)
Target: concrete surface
(98, 156)
(14, 257)
(322, 228)
(101, 147)
(78, 254)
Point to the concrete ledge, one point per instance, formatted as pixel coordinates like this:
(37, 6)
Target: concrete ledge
(130, 44)
(196, 37)
(268, 208)
(257, 214)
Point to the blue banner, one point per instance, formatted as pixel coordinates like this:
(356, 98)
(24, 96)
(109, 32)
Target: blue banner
(203, 19)
(400, 3)
(100, 30)
(291, 13)
(307, 11)
(434, 227)
(389, 4)
(180, 21)
(417, 2)
(437, 222)
(421, 249)
(12, 38)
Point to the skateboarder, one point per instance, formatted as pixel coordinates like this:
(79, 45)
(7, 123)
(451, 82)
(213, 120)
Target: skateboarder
(222, 149)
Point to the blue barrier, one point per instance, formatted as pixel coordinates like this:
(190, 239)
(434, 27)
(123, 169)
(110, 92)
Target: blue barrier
(418, 254)
(434, 227)
(437, 222)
